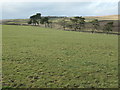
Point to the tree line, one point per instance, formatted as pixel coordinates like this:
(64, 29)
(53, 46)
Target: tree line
(76, 23)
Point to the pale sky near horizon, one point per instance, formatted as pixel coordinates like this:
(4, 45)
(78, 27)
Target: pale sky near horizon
(19, 10)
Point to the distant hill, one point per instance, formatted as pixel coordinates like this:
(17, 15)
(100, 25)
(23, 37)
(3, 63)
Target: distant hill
(109, 17)
(15, 21)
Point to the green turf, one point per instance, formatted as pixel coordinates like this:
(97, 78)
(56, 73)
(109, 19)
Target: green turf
(41, 57)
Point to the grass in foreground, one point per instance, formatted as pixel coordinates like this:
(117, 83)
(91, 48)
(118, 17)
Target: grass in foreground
(40, 57)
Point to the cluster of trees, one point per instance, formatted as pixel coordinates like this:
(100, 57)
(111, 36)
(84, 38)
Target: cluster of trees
(37, 20)
(75, 23)
(78, 23)
(108, 27)
(95, 24)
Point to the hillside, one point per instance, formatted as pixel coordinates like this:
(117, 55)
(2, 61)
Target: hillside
(56, 21)
(109, 17)
(24, 21)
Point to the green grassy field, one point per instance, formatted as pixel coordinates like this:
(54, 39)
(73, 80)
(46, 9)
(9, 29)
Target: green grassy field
(41, 57)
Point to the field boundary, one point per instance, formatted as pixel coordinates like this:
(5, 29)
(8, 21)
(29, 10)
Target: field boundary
(96, 32)
(69, 29)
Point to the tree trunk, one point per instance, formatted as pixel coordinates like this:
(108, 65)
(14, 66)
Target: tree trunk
(48, 25)
(45, 25)
(51, 25)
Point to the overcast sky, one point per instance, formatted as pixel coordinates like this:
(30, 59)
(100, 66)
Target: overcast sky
(19, 10)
